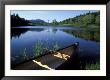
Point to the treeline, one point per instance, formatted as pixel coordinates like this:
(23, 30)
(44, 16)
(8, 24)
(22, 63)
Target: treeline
(18, 21)
(83, 20)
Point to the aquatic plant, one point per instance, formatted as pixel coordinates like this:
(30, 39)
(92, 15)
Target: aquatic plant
(46, 45)
(37, 49)
(13, 59)
(55, 47)
(24, 55)
(92, 66)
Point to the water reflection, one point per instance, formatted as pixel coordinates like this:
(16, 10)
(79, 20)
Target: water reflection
(85, 34)
(50, 37)
(54, 30)
(36, 29)
(17, 32)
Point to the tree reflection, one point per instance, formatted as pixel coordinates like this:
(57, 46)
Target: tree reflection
(93, 35)
(54, 30)
(16, 32)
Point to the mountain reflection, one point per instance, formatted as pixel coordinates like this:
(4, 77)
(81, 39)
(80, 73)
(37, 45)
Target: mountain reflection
(16, 32)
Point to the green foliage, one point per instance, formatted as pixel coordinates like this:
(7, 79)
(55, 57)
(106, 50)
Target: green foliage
(56, 47)
(95, 66)
(89, 19)
(18, 21)
(97, 20)
(54, 22)
(24, 55)
(84, 20)
(37, 49)
(46, 45)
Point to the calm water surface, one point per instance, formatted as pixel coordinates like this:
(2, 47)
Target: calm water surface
(25, 37)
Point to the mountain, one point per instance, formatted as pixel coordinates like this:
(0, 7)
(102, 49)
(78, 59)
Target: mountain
(37, 22)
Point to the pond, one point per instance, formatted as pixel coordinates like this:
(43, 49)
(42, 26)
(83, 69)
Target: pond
(24, 39)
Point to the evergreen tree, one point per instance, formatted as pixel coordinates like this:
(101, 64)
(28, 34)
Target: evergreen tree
(97, 20)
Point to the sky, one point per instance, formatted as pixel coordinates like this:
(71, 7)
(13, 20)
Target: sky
(49, 15)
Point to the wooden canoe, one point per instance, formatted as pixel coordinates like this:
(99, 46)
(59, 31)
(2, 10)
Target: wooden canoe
(51, 60)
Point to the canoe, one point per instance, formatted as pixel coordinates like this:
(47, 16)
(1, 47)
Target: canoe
(52, 60)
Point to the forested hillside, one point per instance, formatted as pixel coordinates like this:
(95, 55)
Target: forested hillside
(83, 20)
(18, 21)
